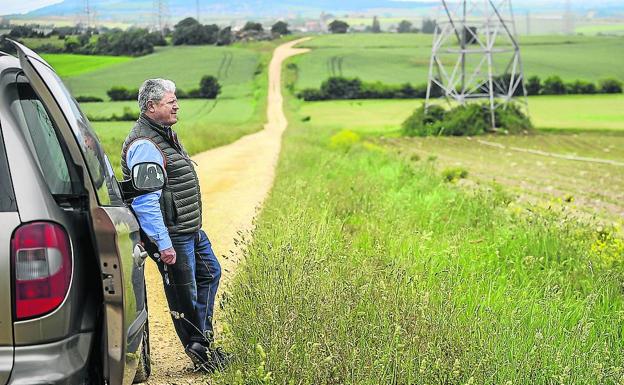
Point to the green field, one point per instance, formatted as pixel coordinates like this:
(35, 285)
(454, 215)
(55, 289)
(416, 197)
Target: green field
(570, 112)
(68, 65)
(239, 109)
(400, 58)
(365, 267)
(185, 65)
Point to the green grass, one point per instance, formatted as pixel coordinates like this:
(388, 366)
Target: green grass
(365, 267)
(568, 112)
(67, 65)
(400, 58)
(185, 65)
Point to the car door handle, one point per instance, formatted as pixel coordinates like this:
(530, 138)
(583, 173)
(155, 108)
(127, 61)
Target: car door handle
(139, 255)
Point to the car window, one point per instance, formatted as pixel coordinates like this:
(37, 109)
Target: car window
(7, 196)
(102, 176)
(40, 134)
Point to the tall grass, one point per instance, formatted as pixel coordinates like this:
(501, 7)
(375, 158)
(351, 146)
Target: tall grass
(367, 268)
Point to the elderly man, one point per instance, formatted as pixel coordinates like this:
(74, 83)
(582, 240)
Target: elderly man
(171, 219)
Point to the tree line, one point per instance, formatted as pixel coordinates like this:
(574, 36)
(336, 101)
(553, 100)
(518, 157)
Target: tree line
(140, 41)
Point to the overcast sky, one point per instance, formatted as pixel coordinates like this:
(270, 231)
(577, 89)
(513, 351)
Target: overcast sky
(22, 6)
(8, 7)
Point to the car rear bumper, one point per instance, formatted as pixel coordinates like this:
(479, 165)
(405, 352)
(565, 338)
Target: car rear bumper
(61, 362)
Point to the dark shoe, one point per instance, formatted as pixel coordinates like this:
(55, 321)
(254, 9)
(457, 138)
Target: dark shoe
(219, 358)
(198, 353)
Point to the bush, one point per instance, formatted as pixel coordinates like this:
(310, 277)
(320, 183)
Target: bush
(423, 122)
(209, 87)
(88, 99)
(611, 86)
(122, 93)
(311, 95)
(126, 116)
(471, 119)
(338, 26)
(553, 85)
(453, 174)
(580, 87)
(341, 88)
(533, 85)
(344, 140)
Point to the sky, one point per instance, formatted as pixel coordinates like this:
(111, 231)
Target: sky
(8, 7)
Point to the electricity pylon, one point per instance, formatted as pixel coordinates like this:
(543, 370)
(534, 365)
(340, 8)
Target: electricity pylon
(476, 55)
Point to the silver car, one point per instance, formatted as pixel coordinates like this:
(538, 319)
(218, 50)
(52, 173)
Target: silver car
(73, 305)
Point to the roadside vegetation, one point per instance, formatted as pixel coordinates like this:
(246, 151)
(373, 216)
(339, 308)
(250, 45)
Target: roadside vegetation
(368, 266)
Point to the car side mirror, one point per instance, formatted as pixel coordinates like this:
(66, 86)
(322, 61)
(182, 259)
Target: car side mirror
(146, 177)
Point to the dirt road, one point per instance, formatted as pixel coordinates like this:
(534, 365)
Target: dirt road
(235, 179)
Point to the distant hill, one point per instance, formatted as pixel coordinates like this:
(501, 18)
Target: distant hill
(137, 10)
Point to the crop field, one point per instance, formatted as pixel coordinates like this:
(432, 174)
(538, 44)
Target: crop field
(185, 65)
(203, 124)
(400, 58)
(366, 267)
(68, 65)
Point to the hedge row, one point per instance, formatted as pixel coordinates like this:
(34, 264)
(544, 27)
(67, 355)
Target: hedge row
(209, 88)
(337, 87)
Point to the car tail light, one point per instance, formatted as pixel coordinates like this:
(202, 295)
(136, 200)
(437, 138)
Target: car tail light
(42, 267)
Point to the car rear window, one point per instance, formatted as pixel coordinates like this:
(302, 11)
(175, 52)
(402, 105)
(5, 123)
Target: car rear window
(40, 134)
(7, 197)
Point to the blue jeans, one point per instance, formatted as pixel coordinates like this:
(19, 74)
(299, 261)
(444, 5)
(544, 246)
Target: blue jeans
(191, 285)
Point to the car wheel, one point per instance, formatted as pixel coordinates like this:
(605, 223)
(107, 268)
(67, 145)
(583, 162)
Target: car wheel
(144, 368)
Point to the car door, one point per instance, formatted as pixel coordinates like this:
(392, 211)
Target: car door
(115, 229)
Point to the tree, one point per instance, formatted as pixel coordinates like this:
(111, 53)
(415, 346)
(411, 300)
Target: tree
(190, 31)
(251, 26)
(611, 86)
(209, 87)
(376, 28)
(429, 26)
(280, 28)
(225, 36)
(338, 26)
(404, 27)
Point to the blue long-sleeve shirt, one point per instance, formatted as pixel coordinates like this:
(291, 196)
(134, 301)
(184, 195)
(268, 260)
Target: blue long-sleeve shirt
(147, 207)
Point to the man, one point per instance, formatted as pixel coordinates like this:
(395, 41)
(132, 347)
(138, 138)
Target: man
(171, 219)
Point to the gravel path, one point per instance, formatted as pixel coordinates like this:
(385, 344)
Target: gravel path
(235, 179)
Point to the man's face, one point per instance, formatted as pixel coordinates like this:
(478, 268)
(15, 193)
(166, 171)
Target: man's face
(165, 111)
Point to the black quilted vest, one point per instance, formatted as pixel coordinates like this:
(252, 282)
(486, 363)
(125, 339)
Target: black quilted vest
(180, 201)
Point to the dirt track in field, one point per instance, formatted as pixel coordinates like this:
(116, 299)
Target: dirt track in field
(235, 179)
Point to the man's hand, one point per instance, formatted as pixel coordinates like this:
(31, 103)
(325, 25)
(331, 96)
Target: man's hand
(168, 256)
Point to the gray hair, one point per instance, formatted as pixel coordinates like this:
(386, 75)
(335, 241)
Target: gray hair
(154, 89)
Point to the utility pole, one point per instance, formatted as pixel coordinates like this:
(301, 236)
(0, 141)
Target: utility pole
(88, 14)
(528, 22)
(197, 8)
(568, 19)
(160, 14)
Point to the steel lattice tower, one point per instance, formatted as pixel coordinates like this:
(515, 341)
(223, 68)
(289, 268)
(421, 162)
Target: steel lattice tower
(475, 55)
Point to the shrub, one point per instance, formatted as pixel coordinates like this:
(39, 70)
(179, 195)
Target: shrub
(423, 123)
(209, 87)
(533, 85)
(611, 86)
(512, 119)
(118, 93)
(88, 99)
(311, 94)
(344, 140)
(127, 115)
(580, 87)
(553, 85)
(453, 174)
(341, 88)
(471, 119)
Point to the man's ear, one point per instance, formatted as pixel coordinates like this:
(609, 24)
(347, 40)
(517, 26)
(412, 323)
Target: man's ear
(150, 106)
